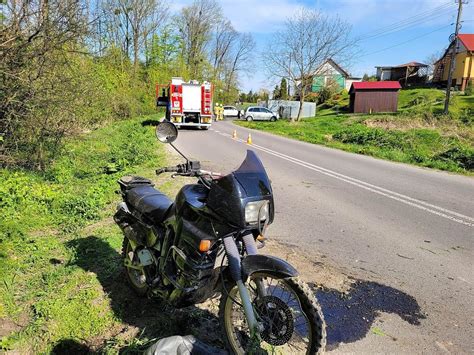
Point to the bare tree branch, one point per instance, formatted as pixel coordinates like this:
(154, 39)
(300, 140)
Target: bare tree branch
(308, 40)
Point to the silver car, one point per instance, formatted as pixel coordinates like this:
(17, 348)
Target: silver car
(260, 113)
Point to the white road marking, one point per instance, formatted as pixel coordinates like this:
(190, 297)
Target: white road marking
(425, 206)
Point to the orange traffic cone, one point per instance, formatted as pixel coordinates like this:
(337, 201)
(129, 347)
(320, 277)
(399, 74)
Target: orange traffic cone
(249, 139)
(234, 135)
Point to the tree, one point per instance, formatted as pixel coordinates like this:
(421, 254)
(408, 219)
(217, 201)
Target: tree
(308, 39)
(276, 93)
(196, 23)
(224, 38)
(431, 60)
(40, 44)
(283, 89)
(251, 97)
(241, 58)
(365, 77)
(130, 23)
(263, 94)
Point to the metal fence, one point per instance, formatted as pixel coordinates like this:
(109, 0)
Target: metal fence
(289, 109)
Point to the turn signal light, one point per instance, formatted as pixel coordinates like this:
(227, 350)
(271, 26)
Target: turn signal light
(204, 246)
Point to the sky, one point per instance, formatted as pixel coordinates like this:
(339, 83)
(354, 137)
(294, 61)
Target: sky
(393, 31)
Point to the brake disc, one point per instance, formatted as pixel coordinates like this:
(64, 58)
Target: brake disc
(277, 320)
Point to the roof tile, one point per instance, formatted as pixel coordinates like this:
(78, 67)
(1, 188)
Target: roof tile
(467, 40)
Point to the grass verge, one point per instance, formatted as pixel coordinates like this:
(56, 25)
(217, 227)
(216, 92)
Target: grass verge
(59, 256)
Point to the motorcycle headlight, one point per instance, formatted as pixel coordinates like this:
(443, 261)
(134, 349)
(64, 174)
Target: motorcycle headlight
(256, 209)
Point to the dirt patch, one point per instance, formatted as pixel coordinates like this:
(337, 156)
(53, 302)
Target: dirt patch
(311, 267)
(106, 222)
(7, 327)
(401, 125)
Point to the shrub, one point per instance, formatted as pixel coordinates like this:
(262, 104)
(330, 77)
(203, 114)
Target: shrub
(469, 90)
(461, 156)
(325, 94)
(369, 136)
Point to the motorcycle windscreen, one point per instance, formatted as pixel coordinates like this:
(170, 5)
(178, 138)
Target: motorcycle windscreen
(252, 176)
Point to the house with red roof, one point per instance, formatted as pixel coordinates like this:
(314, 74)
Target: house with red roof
(463, 64)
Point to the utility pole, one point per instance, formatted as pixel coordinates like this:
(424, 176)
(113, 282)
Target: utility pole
(453, 57)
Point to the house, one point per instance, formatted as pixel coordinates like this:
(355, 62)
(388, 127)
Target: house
(374, 96)
(331, 73)
(463, 65)
(408, 73)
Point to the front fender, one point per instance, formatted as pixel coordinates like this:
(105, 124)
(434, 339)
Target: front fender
(271, 265)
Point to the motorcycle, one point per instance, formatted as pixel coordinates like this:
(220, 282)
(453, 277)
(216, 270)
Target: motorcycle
(205, 244)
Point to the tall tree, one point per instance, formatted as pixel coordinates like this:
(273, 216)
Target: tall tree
(131, 23)
(283, 89)
(224, 38)
(241, 58)
(308, 39)
(276, 93)
(196, 23)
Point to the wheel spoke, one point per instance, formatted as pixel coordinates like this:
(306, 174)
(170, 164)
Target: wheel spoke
(286, 326)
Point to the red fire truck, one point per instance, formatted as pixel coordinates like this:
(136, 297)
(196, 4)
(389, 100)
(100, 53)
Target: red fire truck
(188, 104)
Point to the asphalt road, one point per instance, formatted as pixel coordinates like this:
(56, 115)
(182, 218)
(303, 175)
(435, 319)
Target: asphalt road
(406, 233)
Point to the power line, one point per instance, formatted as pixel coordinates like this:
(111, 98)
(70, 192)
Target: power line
(416, 18)
(400, 28)
(410, 18)
(407, 41)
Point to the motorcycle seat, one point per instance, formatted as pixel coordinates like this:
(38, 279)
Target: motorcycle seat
(150, 202)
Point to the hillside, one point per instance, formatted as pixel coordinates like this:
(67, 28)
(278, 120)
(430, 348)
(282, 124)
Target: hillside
(417, 134)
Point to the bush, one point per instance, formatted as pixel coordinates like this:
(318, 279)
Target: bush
(469, 90)
(325, 94)
(369, 136)
(461, 156)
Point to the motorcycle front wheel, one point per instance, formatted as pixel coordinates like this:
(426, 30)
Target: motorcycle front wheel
(289, 317)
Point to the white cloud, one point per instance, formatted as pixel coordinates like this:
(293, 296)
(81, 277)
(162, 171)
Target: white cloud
(262, 16)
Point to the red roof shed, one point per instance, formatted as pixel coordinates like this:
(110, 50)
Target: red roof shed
(374, 96)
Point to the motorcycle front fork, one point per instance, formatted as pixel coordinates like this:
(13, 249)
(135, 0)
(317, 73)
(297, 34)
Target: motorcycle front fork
(236, 272)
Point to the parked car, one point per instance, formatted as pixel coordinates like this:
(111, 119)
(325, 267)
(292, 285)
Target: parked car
(230, 111)
(260, 113)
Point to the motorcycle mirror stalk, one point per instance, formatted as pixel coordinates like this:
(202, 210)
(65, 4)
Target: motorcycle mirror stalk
(166, 132)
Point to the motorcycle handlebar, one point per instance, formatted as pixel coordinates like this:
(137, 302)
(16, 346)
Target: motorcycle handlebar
(168, 169)
(188, 169)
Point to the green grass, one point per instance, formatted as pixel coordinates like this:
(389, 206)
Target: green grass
(57, 255)
(418, 134)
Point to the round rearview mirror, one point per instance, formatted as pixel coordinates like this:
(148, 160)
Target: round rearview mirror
(166, 132)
